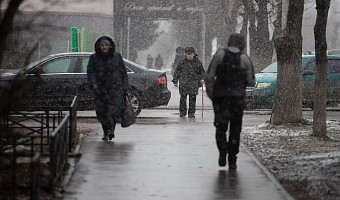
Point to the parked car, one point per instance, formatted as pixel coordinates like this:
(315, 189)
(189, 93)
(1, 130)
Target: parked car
(65, 75)
(262, 95)
(333, 52)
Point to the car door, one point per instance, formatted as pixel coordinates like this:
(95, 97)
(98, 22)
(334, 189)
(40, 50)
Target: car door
(308, 80)
(84, 92)
(57, 76)
(334, 78)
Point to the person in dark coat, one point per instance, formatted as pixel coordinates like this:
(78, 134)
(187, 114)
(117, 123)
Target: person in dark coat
(159, 62)
(108, 78)
(189, 73)
(149, 61)
(229, 98)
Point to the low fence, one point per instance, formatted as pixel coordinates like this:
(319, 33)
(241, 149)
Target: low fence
(52, 108)
(38, 140)
(58, 150)
(35, 174)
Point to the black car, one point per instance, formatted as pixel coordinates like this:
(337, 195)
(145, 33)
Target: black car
(65, 75)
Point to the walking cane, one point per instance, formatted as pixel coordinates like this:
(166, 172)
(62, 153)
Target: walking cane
(202, 101)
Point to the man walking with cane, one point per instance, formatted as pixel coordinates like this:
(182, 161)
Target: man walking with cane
(190, 73)
(229, 73)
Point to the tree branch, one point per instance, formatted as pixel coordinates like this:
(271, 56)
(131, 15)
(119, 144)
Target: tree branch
(7, 23)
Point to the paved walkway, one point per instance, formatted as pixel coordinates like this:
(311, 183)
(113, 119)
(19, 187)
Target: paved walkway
(165, 158)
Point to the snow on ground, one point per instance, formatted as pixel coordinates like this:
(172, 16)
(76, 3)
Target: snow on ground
(308, 167)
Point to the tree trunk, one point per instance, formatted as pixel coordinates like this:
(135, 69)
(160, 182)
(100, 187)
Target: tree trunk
(230, 8)
(287, 106)
(6, 23)
(261, 50)
(245, 16)
(277, 29)
(320, 90)
(252, 29)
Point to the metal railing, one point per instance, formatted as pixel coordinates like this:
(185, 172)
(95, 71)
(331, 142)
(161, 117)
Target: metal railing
(41, 131)
(46, 115)
(58, 150)
(35, 175)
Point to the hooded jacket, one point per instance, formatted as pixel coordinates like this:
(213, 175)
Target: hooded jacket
(236, 44)
(102, 66)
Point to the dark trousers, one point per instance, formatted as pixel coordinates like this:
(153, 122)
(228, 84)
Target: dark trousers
(109, 126)
(228, 110)
(183, 104)
(105, 117)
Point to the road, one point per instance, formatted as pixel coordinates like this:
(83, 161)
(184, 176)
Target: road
(262, 114)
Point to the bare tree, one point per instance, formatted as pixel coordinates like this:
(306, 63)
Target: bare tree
(6, 23)
(258, 14)
(229, 14)
(320, 88)
(287, 106)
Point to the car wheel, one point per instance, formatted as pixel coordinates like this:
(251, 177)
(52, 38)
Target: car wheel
(134, 99)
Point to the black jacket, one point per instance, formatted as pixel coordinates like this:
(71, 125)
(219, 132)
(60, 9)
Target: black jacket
(236, 43)
(108, 76)
(189, 73)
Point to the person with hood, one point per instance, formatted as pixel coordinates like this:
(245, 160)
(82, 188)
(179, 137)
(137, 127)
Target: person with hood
(228, 75)
(108, 78)
(189, 73)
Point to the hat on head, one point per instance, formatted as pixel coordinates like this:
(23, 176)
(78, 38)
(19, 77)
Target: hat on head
(189, 50)
(105, 42)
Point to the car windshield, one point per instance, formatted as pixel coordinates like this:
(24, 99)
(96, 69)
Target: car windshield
(272, 68)
(33, 64)
(134, 64)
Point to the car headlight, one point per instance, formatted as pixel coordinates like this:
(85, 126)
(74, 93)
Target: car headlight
(262, 85)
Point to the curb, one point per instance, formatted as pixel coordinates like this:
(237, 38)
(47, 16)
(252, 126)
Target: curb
(271, 177)
(72, 162)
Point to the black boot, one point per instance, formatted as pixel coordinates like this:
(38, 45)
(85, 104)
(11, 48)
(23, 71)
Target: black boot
(111, 132)
(222, 159)
(105, 137)
(105, 132)
(232, 162)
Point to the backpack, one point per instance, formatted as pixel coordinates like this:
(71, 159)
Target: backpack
(229, 74)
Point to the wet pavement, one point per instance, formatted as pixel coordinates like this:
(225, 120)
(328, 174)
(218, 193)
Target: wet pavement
(163, 156)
